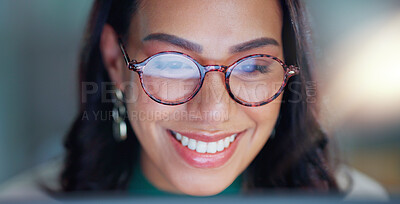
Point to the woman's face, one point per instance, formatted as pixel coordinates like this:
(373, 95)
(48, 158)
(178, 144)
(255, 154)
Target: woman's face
(209, 31)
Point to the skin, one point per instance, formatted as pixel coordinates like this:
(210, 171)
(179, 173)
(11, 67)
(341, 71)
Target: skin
(217, 26)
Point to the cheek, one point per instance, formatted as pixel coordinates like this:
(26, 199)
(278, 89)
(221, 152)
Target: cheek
(136, 97)
(143, 112)
(265, 115)
(264, 118)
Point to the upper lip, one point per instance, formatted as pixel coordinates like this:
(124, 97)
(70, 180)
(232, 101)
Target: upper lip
(205, 136)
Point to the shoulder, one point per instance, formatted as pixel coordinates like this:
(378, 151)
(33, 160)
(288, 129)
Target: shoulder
(29, 184)
(358, 186)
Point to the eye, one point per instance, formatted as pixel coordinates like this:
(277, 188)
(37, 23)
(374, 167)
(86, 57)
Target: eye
(255, 66)
(171, 65)
(257, 69)
(249, 68)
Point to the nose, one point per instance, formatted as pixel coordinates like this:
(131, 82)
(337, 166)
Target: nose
(212, 104)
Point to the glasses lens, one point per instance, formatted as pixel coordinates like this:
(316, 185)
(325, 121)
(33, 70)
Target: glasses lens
(171, 77)
(256, 79)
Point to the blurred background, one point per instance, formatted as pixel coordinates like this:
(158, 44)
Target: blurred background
(40, 41)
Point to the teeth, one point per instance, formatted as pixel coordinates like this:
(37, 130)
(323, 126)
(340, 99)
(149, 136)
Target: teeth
(185, 141)
(201, 147)
(227, 141)
(220, 145)
(178, 136)
(192, 144)
(205, 147)
(232, 138)
(212, 147)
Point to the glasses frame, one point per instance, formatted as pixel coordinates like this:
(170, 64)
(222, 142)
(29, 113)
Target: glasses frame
(133, 65)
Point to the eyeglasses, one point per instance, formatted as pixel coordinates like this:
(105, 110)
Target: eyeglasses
(173, 78)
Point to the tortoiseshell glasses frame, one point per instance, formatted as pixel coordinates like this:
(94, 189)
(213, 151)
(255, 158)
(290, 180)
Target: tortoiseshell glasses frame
(138, 67)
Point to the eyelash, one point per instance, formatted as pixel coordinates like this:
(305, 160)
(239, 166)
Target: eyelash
(260, 68)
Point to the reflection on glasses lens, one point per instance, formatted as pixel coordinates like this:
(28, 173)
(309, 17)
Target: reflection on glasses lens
(171, 77)
(256, 79)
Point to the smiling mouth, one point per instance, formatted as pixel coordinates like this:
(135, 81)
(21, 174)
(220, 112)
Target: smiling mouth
(203, 150)
(200, 146)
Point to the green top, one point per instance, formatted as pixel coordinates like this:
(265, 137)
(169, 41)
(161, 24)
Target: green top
(139, 185)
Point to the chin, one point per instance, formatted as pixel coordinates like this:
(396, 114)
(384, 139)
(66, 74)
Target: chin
(203, 188)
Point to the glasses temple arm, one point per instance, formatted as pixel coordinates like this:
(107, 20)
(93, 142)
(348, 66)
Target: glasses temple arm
(121, 46)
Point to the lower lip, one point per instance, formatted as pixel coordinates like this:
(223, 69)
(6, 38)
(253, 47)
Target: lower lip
(204, 160)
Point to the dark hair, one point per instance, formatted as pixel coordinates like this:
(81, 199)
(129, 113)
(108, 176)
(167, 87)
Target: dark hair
(296, 157)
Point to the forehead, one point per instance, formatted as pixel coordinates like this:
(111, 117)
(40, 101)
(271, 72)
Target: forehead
(215, 24)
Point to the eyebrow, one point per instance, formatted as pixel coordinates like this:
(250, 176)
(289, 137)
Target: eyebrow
(259, 42)
(191, 46)
(175, 41)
